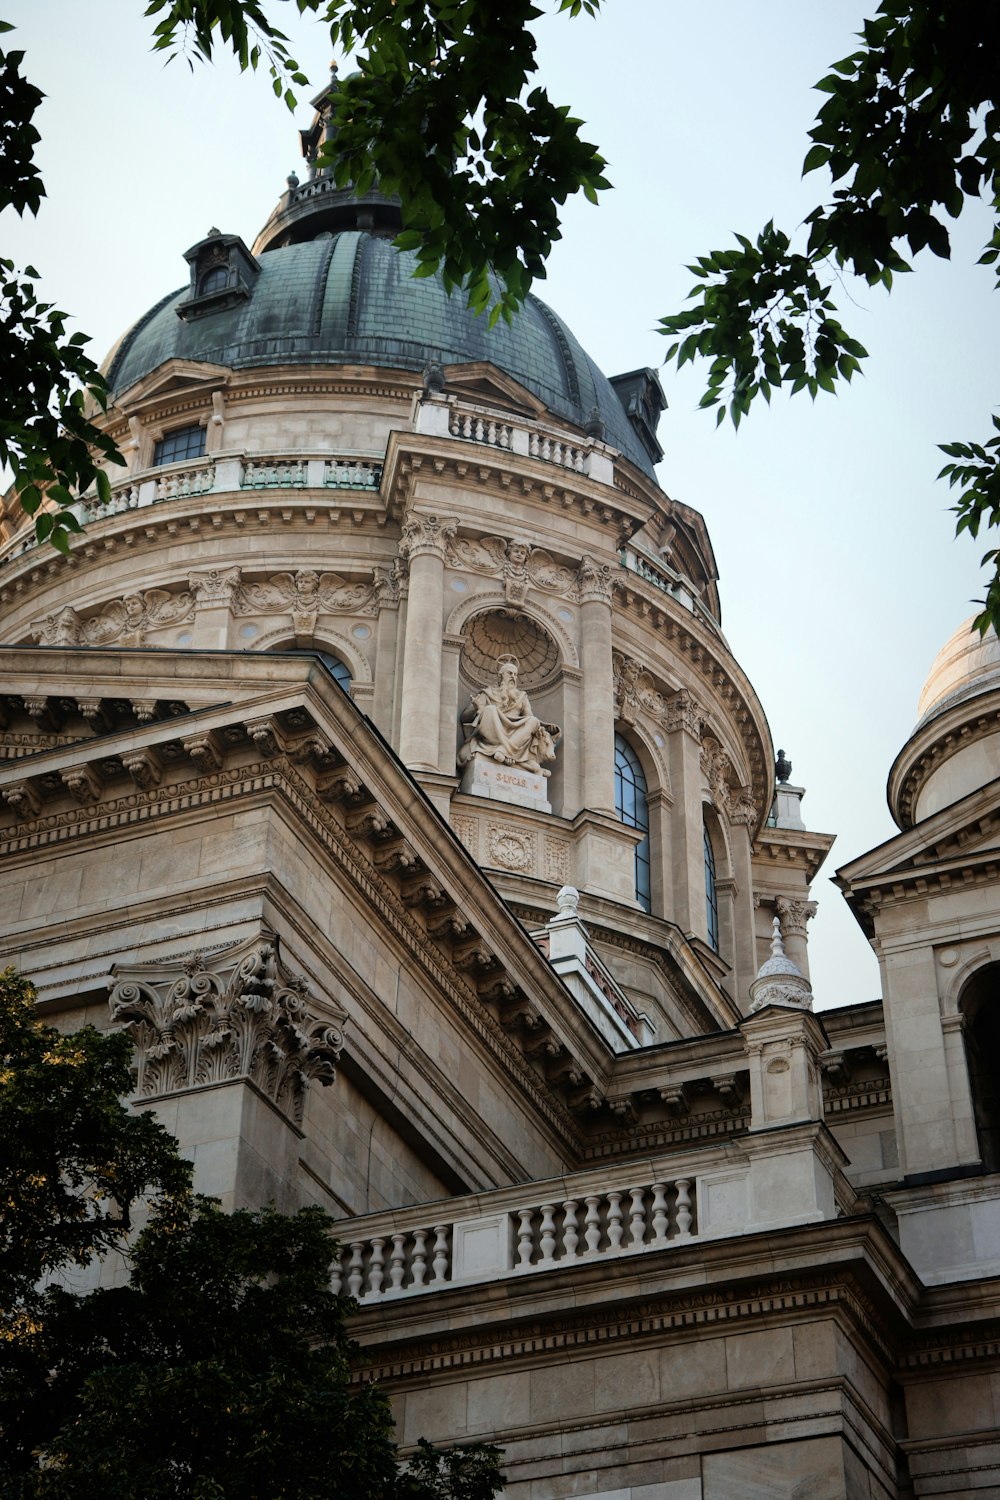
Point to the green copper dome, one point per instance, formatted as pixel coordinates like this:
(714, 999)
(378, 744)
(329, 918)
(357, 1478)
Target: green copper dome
(349, 298)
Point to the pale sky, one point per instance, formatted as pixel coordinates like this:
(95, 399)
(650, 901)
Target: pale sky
(838, 573)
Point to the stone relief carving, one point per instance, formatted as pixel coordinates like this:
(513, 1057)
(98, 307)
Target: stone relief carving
(499, 723)
(229, 1016)
(126, 620)
(635, 691)
(510, 850)
(516, 563)
(304, 595)
(718, 771)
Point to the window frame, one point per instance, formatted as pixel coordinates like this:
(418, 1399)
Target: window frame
(632, 809)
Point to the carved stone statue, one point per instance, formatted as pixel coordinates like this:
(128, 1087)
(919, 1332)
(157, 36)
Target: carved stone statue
(499, 722)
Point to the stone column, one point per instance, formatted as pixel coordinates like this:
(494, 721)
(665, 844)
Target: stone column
(742, 820)
(793, 916)
(423, 550)
(682, 721)
(597, 716)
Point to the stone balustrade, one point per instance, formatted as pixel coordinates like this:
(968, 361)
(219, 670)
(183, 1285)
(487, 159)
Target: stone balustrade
(445, 416)
(579, 1222)
(219, 474)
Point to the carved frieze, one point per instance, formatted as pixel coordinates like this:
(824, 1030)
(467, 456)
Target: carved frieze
(304, 595)
(232, 1016)
(519, 565)
(125, 621)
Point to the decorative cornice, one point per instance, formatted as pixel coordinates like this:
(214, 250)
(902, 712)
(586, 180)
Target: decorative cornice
(225, 1018)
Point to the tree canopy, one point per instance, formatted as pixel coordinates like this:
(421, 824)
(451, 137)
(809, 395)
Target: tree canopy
(222, 1370)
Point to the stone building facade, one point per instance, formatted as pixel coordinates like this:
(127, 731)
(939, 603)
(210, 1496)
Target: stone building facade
(378, 761)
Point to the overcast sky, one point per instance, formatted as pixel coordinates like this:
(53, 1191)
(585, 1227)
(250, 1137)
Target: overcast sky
(839, 576)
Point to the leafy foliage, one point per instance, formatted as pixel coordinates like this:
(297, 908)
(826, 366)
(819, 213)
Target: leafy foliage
(75, 1159)
(222, 1372)
(46, 433)
(911, 129)
(442, 114)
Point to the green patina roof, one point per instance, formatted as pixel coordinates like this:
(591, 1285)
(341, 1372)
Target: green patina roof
(351, 299)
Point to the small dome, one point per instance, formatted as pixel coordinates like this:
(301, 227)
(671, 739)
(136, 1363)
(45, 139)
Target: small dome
(966, 665)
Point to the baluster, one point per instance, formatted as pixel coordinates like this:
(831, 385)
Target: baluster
(659, 1213)
(592, 1233)
(397, 1266)
(440, 1262)
(615, 1229)
(570, 1237)
(418, 1265)
(548, 1234)
(637, 1217)
(356, 1274)
(337, 1277)
(524, 1238)
(375, 1265)
(683, 1186)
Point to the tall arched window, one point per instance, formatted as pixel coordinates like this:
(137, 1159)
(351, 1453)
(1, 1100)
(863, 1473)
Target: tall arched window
(711, 891)
(980, 1005)
(632, 809)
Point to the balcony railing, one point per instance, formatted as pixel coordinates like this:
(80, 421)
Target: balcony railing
(578, 1223)
(220, 474)
(667, 581)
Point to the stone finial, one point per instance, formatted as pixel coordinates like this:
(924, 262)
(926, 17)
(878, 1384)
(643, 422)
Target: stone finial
(782, 767)
(568, 902)
(779, 981)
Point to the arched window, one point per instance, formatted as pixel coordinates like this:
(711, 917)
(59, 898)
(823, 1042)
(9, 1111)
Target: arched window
(215, 280)
(711, 891)
(632, 809)
(341, 671)
(980, 1005)
(183, 442)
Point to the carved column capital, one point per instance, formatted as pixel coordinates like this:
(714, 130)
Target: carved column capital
(594, 582)
(794, 915)
(216, 586)
(683, 712)
(228, 1017)
(426, 534)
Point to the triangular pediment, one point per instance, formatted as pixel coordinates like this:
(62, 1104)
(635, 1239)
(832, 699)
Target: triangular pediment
(480, 381)
(173, 377)
(962, 836)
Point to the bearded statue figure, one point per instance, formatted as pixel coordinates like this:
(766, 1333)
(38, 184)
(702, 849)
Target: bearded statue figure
(499, 723)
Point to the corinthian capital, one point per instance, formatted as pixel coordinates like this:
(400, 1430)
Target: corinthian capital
(683, 712)
(228, 1017)
(794, 915)
(594, 581)
(426, 534)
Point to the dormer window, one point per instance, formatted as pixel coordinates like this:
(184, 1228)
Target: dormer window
(183, 442)
(223, 273)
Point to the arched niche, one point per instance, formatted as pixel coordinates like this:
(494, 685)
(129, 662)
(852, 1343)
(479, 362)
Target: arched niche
(979, 1006)
(489, 630)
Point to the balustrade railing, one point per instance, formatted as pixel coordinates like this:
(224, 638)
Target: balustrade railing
(403, 1258)
(277, 473)
(552, 450)
(667, 582)
(475, 427)
(217, 475)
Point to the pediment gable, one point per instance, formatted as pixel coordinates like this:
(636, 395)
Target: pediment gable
(479, 381)
(174, 377)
